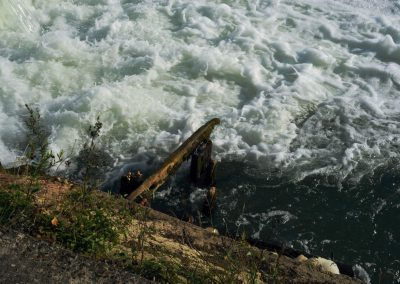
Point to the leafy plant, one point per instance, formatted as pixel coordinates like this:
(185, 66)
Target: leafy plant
(38, 155)
(92, 158)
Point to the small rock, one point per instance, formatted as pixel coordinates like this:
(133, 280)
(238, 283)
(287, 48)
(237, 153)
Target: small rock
(301, 258)
(212, 230)
(325, 265)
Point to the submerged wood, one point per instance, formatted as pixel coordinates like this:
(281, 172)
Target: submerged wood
(202, 165)
(175, 159)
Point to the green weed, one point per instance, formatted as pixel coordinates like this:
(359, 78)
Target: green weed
(16, 204)
(91, 158)
(90, 231)
(159, 270)
(39, 159)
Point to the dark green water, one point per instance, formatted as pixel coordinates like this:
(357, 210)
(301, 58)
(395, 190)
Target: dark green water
(359, 223)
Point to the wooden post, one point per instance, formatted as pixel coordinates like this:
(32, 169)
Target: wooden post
(175, 159)
(202, 166)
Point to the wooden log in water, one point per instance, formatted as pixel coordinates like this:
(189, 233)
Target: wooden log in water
(201, 165)
(175, 159)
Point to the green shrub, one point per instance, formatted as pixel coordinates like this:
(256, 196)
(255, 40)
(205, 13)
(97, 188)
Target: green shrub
(39, 158)
(92, 158)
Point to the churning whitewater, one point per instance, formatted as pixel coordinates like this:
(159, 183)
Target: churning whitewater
(305, 85)
(302, 88)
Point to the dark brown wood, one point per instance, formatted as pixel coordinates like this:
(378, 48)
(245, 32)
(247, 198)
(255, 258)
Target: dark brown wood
(175, 159)
(211, 200)
(201, 166)
(130, 182)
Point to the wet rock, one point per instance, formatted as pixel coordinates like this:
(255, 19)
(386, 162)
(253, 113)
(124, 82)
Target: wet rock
(325, 265)
(301, 258)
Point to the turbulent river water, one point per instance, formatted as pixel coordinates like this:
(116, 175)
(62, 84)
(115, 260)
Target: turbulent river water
(308, 93)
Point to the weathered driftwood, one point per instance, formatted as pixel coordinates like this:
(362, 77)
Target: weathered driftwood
(201, 164)
(175, 159)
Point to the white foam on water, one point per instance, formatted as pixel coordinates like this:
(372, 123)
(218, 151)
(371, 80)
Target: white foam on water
(360, 273)
(263, 219)
(306, 85)
(17, 15)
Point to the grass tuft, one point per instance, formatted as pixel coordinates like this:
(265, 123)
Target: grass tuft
(15, 205)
